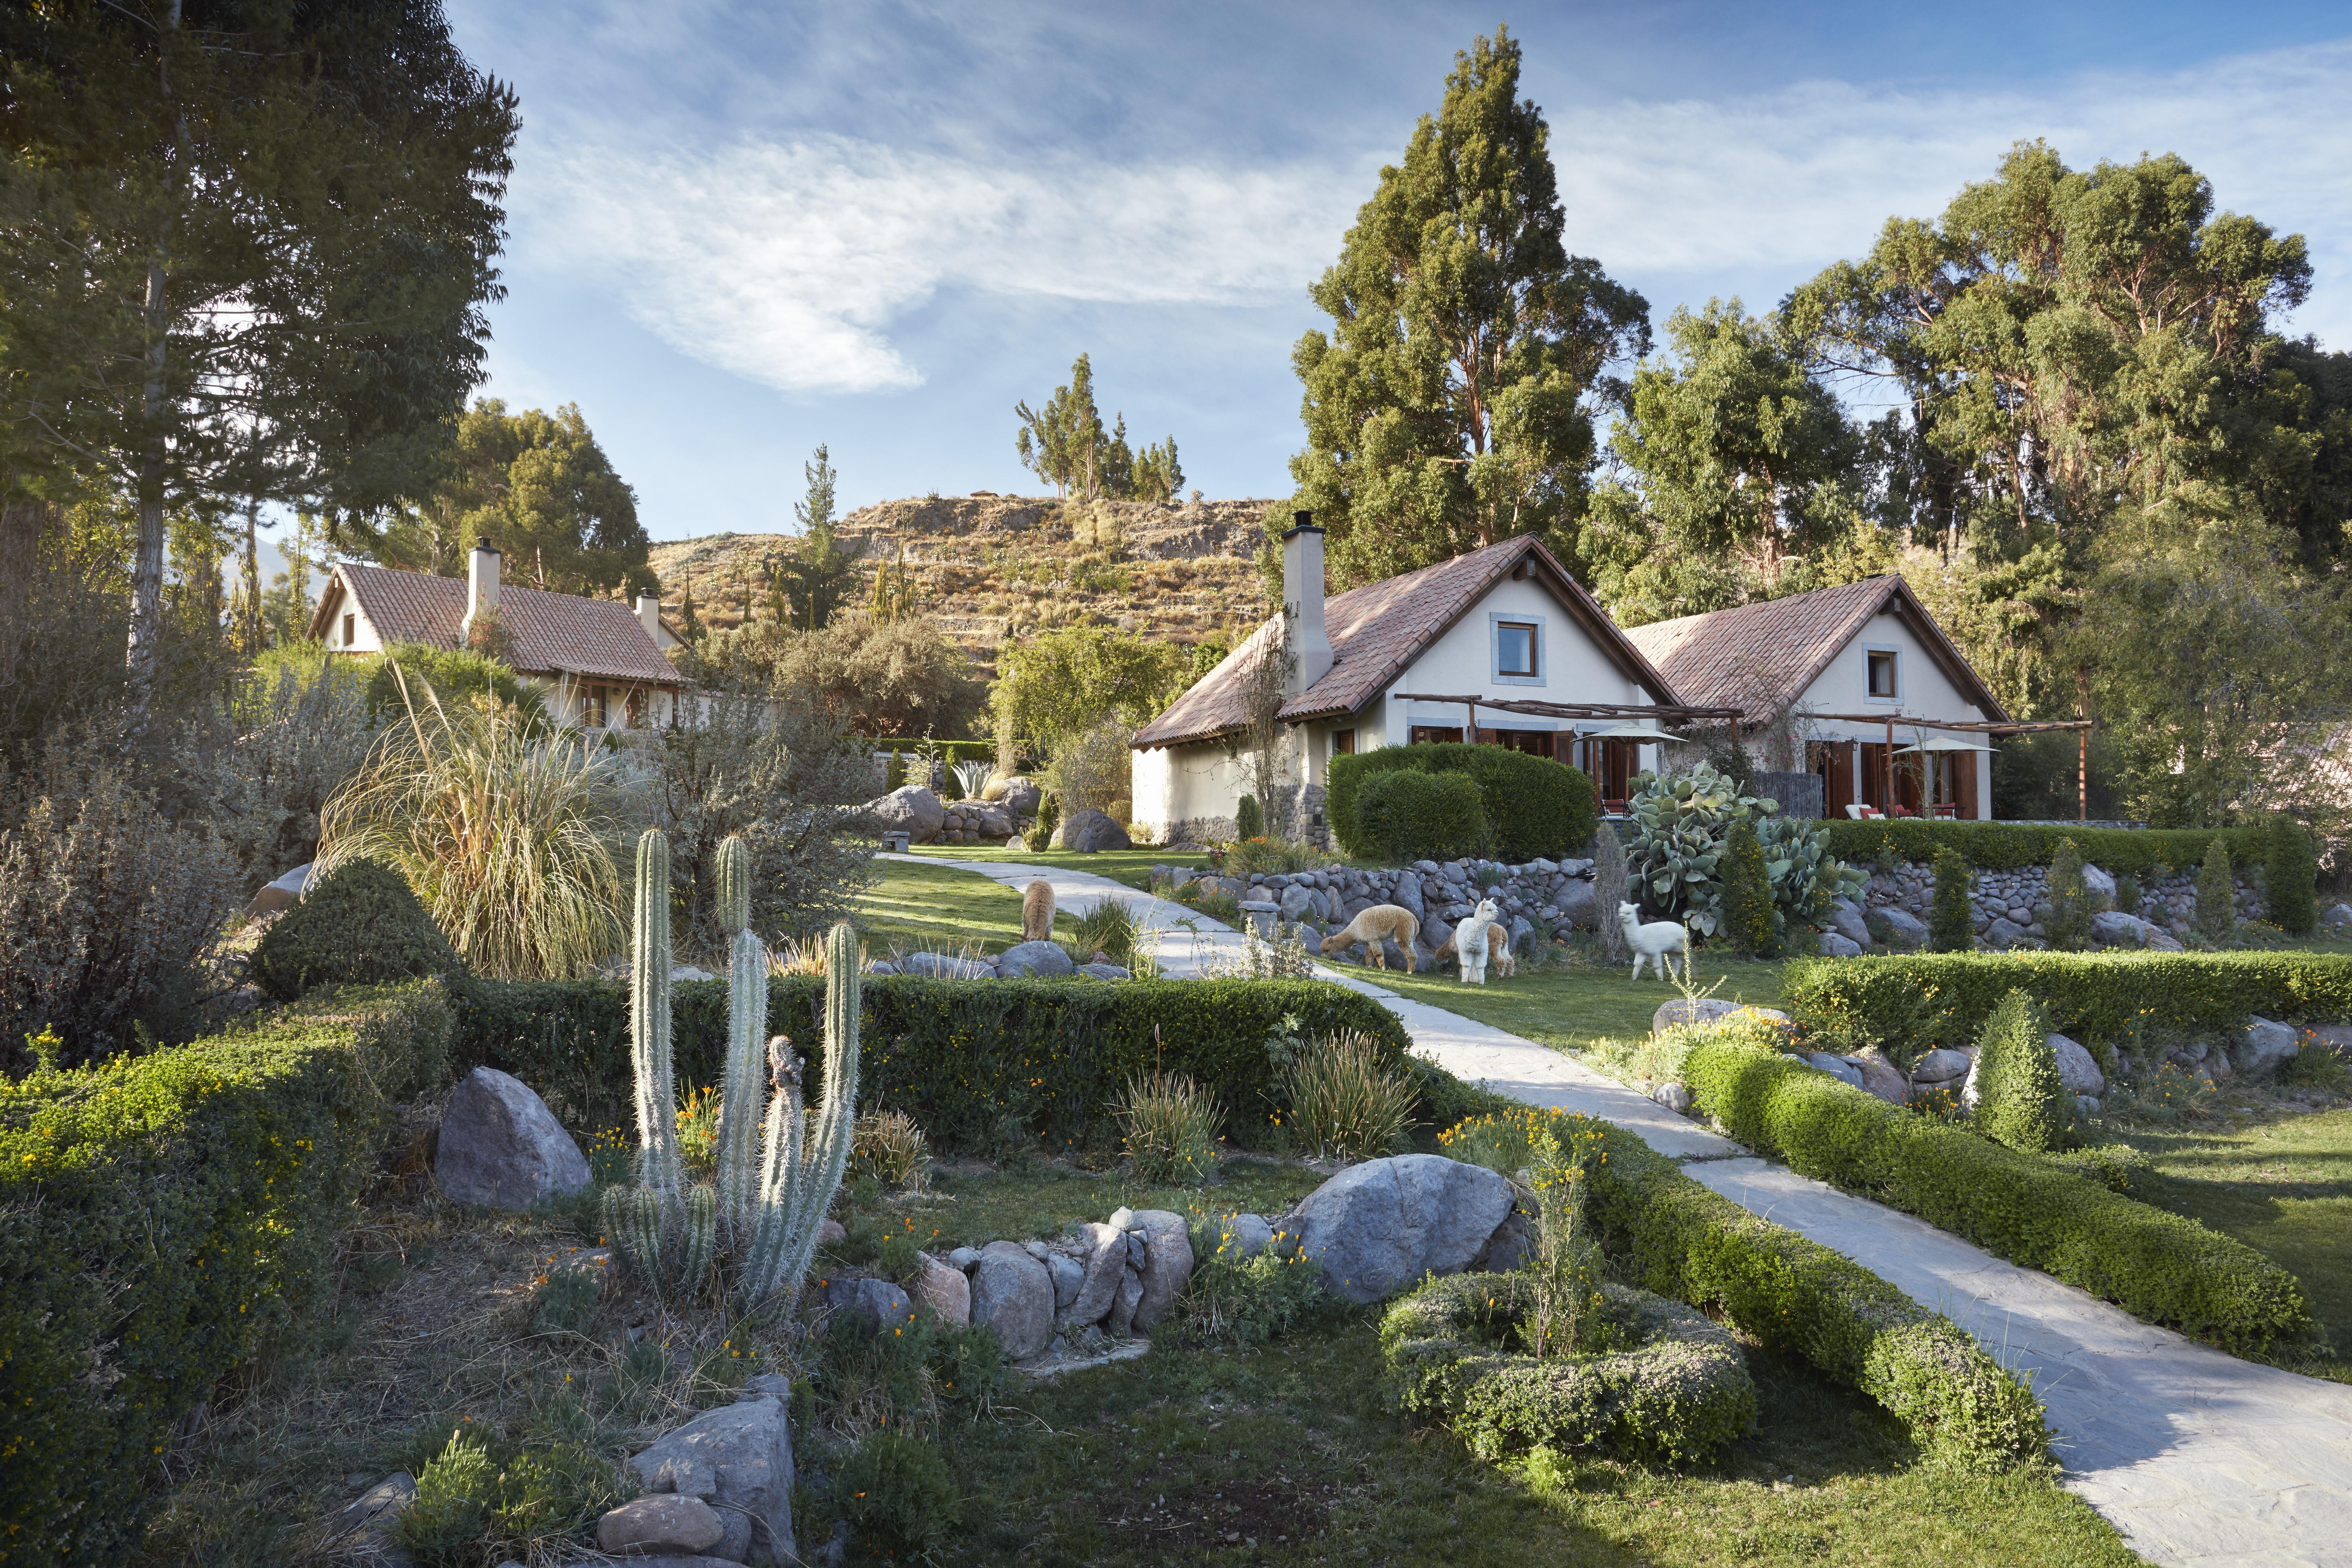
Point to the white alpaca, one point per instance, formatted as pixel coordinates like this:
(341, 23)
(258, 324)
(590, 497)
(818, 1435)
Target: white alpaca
(1471, 941)
(1654, 942)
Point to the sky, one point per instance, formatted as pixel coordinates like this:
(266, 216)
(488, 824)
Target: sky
(738, 231)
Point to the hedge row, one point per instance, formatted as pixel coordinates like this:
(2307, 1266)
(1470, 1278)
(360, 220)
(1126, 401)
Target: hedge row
(970, 1061)
(1677, 1238)
(1911, 1003)
(1536, 807)
(165, 1214)
(2158, 1267)
(2013, 846)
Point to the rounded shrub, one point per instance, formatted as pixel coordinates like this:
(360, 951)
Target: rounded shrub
(899, 1496)
(358, 926)
(1409, 815)
(1747, 894)
(1671, 1385)
(1951, 925)
(2019, 1100)
(1537, 807)
(2289, 874)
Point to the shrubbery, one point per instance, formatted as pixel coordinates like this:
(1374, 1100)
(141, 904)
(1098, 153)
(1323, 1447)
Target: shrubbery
(1747, 896)
(2069, 921)
(167, 1214)
(2019, 1100)
(358, 926)
(1407, 816)
(2289, 870)
(2014, 846)
(1951, 923)
(1911, 1003)
(1535, 808)
(2157, 1266)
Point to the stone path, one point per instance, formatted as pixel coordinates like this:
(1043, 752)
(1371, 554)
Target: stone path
(2199, 1459)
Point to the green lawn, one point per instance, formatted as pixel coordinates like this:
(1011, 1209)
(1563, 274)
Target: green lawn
(1571, 1006)
(939, 907)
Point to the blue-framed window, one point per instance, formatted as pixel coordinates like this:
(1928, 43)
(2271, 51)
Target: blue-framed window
(1516, 648)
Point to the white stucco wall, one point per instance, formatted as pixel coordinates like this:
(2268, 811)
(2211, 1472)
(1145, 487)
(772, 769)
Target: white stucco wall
(1923, 692)
(365, 638)
(1179, 783)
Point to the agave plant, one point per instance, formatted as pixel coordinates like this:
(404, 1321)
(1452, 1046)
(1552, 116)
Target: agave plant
(973, 778)
(1681, 823)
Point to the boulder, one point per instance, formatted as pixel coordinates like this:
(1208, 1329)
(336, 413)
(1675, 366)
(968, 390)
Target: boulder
(1578, 908)
(1101, 1261)
(1881, 1077)
(1167, 1264)
(1043, 960)
(1705, 1010)
(664, 1522)
(1836, 946)
(940, 967)
(1104, 972)
(501, 1146)
(1376, 1228)
(1674, 1097)
(2078, 1070)
(1297, 902)
(1837, 1067)
(2263, 1047)
(364, 1524)
(912, 810)
(963, 1257)
(1845, 919)
(866, 1307)
(2114, 928)
(2339, 916)
(739, 1459)
(1910, 931)
(1012, 1293)
(2099, 884)
(2003, 932)
(942, 1291)
(1021, 796)
(1243, 1236)
(1070, 1278)
(1407, 896)
(1941, 1067)
(1090, 831)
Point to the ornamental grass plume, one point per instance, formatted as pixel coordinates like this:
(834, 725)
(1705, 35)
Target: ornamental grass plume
(1343, 1102)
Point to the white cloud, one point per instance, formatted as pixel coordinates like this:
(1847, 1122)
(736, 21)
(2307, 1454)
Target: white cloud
(790, 261)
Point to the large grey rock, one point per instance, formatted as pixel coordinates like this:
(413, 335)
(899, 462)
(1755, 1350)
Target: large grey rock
(910, 810)
(364, 1525)
(1376, 1228)
(500, 1145)
(1104, 972)
(1045, 960)
(2265, 1048)
(1021, 796)
(942, 1291)
(1941, 1067)
(1837, 1067)
(1069, 1278)
(1845, 919)
(739, 1459)
(1881, 1077)
(2078, 1070)
(1705, 1010)
(1407, 896)
(866, 1307)
(1012, 1293)
(2003, 931)
(2339, 916)
(1297, 902)
(1910, 931)
(664, 1522)
(940, 967)
(1167, 1264)
(2099, 884)
(1243, 1236)
(2114, 928)
(1578, 907)
(1090, 831)
(1835, 945)
(1100, 1264)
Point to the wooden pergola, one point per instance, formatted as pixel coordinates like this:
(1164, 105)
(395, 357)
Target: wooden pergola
(1678, 712)
(2082, 727)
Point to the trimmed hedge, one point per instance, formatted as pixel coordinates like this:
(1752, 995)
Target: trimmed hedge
(1536, 807)
(2158, 1267)
(2013, 846)
(166, 1214)
(1914, 1001)
(966, 1059)
(1407, 815)
(1674, 1236)
(360, 926)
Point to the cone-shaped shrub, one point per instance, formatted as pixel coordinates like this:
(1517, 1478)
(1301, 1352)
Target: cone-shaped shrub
(1249, 822)
(2289, 871)
(2020, 1101)
(2070, 900)
(1747, 894)
(1951, 925)
(2216, 910)
(358, 926)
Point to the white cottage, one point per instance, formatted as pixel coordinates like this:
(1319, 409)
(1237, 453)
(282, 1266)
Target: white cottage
(1861, 677)
(599, 662)
(1504, 623)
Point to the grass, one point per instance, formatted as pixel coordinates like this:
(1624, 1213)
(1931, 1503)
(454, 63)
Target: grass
(1570, 1007)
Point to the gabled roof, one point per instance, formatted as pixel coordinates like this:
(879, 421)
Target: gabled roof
(548, 633)
(1379, 629)
(1762, 657)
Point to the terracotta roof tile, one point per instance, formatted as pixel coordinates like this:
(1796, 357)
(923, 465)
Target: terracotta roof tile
(1376, 632)
(549, 633)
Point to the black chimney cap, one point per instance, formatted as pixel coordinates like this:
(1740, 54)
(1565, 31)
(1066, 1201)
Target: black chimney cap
(1301, 522)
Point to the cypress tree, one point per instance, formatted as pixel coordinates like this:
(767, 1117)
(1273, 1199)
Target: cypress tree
(2289, 871)
(2217, 895)
(2019, 1100)
(1951, 923)
(2070, 900)
(1748, 914)
(1249, 822)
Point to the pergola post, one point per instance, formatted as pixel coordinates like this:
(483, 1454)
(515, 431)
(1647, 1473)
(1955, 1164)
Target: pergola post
(2082, 775)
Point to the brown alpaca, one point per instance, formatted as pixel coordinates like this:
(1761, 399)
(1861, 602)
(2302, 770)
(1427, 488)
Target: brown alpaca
(1369, 926)
(1498, 949)
(1037, 912)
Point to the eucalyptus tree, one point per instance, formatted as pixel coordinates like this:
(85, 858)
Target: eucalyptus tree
(1450, 402)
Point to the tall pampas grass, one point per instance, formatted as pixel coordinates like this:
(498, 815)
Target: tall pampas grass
(501, 823)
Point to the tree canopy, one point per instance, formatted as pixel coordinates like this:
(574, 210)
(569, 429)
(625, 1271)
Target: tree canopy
(817, 577)
(1058, 684)
(1451, 404)
(1065, 445)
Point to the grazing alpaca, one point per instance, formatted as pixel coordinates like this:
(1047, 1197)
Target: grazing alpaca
(1654, 942)
(1471, 943)
(1498, 947)
(1037, 912)
(1370, 927)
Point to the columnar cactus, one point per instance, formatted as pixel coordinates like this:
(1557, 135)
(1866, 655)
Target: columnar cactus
(649, 1048)
(802, 1164)
(747, 1025)
(734, 885)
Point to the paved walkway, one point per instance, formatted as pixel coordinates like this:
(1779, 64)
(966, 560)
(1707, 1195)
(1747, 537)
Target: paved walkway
(2199, 1459)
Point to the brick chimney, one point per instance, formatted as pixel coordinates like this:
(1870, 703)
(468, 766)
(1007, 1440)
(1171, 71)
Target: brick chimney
(481, 586)
(649, 616)
(1302, 602)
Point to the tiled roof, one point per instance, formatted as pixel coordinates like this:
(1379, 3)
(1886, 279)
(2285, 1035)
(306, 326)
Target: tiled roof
(1762, 657)
(549, 633)
(1376, 632)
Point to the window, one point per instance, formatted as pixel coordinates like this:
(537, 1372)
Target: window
(1343, 743)
(1885, 675)
(1515, 649)
(1433, 734)
(350, 623)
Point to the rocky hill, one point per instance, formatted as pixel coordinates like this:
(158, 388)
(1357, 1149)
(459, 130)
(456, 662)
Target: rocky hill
(988, 567)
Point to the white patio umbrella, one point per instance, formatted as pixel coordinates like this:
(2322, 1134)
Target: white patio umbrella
(1628, 731)
(1945, 743)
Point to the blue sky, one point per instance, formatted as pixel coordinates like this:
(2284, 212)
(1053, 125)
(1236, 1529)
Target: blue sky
(741, 230)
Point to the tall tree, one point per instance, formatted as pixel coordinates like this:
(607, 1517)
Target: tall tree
(1451, 404)
(245, 246)
(1062, 442)
(818, 576)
